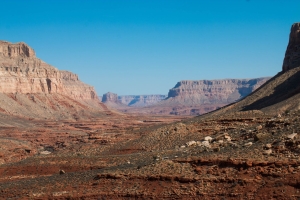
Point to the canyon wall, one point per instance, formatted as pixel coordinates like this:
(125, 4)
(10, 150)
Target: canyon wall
(22, 72)
(292, 54)
(32, 88)
(223, 91)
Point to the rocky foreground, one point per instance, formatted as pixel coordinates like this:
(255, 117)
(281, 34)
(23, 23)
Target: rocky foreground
(255, 156)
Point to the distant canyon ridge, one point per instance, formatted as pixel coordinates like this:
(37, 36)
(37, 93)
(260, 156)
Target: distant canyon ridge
(188, 97)
(113, 100)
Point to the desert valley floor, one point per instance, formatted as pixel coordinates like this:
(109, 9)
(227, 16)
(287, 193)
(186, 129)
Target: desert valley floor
(252, 156)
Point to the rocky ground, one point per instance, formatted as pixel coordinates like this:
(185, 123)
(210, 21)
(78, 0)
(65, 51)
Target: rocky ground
(249, 157)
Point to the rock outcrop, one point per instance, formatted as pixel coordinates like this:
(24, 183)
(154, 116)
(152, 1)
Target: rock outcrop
(292, 54)
(110, 97)
(141, 100)
(212, 91)
(23, 74)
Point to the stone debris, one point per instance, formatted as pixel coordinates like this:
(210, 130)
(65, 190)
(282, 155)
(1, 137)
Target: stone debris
(268, 146)
(291, 136)
(259, 127)
(208, 138)
(206, 144)
(267, 152)
(261, 136)
(248, 144)
(191, 143)
(220, 141)
(45, 152)
(227, 137)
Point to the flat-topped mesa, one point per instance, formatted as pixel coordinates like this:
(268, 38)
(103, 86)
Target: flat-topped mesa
(213, 91)
(21, 49)
(110, 98)
(292, 54)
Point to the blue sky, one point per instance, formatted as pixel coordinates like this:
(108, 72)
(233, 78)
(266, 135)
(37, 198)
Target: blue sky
(147, 46)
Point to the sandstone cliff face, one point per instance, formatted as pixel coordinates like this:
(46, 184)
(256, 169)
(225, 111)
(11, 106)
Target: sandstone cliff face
(141, 100)
(23, 76)
(22, 72)
(76, 89)
(292, 54)
(212, 91)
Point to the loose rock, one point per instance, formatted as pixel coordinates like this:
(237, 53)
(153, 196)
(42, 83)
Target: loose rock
(267, 152)
(261, 136)
(208, 138)
(248, 144)
(206, 144)
(291, 136)
(191, 143)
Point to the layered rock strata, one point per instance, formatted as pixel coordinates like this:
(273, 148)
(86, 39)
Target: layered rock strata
(24, 76)
(22, 72)
(292, 54)
(223, 91)
(202, 96)
(110, 97)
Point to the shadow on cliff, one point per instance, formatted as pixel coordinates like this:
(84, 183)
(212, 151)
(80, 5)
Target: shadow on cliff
(284, 91)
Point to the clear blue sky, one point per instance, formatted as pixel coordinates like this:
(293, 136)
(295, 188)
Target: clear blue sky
(147, 46)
